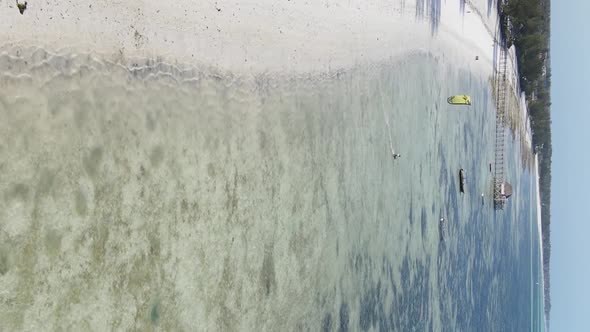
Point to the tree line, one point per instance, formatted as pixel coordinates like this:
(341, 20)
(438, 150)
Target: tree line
(526, 25)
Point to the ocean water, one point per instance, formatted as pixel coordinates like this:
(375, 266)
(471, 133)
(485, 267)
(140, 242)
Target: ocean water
(155, 197)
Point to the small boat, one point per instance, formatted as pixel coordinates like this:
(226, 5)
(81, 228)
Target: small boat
(442, 229)
(462, 180)
(459, 100)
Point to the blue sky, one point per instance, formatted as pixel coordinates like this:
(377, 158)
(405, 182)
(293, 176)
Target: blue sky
(570, 200)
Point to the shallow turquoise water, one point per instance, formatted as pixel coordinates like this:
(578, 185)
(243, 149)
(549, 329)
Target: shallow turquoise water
(156, 197)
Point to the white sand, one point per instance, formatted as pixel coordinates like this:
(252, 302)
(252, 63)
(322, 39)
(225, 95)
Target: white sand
(249, 36)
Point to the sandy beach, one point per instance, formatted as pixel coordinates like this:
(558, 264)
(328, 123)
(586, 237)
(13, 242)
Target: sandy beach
(248, 37)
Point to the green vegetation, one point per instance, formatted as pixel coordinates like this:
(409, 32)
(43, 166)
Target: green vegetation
(526, 25)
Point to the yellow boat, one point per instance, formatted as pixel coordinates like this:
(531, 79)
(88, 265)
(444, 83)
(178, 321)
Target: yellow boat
(459, 100)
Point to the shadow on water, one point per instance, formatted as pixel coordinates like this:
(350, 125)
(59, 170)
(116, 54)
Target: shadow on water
(423, 223)
(327, 322)
(408, 309)
(344, 318)
(442, 180)
(490, 4)
(471, 311)
(431, 10)
(411, 213)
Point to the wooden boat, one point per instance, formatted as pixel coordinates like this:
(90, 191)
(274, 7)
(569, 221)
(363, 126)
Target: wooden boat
(442, 229)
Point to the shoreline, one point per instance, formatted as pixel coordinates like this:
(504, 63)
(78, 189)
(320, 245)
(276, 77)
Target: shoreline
(539, 221)
(248, 38)
(540, 234)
